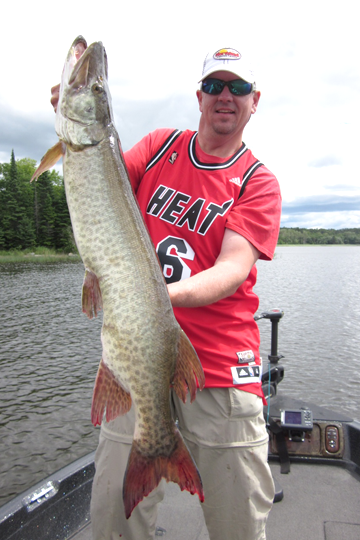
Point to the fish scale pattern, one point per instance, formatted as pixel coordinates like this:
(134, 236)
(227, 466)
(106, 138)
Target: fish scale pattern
(140, 334)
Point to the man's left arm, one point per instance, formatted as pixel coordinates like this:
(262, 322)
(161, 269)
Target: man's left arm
(237, 257)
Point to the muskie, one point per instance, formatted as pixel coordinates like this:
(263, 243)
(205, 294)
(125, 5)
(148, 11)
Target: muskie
(144, 349)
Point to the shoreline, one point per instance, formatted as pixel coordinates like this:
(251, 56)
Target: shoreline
(40, 255)
(45, 255)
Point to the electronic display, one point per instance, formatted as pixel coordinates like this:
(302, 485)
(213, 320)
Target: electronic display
(300, 419)
(293, 417)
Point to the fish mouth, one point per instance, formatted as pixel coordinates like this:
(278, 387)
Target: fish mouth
(77, 48)
(84, 65)
(84, 108)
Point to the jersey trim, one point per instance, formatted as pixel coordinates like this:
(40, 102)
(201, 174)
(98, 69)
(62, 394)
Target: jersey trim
(248, 174)
(169, 141)
(213, 166)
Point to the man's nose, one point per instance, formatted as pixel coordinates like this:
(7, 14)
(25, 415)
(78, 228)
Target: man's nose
(225, 94)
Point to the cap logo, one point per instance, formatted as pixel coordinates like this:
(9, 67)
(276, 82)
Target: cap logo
(227, 54)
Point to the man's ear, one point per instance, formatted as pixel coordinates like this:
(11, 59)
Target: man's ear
(256, 98)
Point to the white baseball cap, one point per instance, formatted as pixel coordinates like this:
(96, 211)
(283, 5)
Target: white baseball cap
(227, 59)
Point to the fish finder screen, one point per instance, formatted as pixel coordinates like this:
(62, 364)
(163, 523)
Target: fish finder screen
(293, 417)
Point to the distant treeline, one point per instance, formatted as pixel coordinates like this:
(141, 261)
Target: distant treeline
(33, 214)
(318, 236)
(36, 214)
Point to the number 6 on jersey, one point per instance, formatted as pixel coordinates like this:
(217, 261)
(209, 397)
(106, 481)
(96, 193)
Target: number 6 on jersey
(171, 252)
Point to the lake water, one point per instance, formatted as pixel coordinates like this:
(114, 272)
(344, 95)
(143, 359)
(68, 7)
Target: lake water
(50, 351)
(318, 288)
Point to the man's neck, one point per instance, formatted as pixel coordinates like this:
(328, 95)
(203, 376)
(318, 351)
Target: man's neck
(219, 145)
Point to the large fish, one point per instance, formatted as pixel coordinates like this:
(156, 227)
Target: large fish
(145, 352)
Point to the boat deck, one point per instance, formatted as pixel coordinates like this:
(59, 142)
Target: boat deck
(319, 503)
(321, 493)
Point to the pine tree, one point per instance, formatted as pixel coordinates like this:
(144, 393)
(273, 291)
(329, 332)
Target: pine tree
(44, 211)
(13, 210)
(63, 237)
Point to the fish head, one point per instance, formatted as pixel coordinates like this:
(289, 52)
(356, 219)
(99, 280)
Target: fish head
(84, 111)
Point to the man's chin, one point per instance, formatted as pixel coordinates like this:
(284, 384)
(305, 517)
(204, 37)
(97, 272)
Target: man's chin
(224, 129)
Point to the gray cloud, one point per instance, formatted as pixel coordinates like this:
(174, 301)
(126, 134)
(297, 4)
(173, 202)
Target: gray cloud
(134, 119)
(324, 220)
(31, 137)
(27, 136)
(328, 203)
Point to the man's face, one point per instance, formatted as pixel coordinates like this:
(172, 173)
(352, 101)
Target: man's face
(226, 114)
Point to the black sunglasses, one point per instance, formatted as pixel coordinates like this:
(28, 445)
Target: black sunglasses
(238, 87)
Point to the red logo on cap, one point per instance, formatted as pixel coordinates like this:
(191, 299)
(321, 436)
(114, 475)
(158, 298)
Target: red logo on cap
(227, 54)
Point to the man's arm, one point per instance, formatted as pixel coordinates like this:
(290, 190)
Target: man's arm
(236, 258)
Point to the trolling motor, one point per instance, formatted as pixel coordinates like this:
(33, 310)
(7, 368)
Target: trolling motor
(294, 423)
(274, 315)
(275, 373)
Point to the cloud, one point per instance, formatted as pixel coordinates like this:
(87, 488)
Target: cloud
(323, 203)
(31, 136)
(28, 136)
(327, 203)
(136, 118)
(323, 220)
(305, 129)
(325, 161)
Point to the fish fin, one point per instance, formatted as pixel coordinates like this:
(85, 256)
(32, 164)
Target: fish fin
(51, 157)
(187, 367)
(91, 295)
(143, 473)
(109, 394)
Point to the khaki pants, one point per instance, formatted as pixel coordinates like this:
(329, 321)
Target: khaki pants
(225, 432)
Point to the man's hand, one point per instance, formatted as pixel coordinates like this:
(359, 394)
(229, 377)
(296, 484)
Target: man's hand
(231, 268)
(55, 96)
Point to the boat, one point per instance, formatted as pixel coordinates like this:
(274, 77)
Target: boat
(314, 455)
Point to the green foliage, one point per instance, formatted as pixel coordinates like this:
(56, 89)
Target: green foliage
(33, 214)
(318, 236)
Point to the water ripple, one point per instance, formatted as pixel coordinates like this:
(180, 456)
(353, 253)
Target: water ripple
(49, 353)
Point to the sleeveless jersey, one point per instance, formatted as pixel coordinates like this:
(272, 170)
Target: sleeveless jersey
(187, 199)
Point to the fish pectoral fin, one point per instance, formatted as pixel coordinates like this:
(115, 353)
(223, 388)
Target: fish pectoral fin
(108, 394)
(91, 295)
(51, 157)
(187, 370)
(143, 473)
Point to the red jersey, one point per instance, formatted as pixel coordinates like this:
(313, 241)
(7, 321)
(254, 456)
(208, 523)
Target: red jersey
(187, 199)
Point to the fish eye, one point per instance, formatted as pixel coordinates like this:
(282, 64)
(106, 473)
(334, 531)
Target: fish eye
(97, 88)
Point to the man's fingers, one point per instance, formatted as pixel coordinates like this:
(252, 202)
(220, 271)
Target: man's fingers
(55, 96)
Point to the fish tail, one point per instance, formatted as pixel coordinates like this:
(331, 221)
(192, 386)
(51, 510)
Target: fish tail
(188, 369)
(144, 473)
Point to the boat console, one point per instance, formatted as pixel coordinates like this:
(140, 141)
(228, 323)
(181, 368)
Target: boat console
(299, 430)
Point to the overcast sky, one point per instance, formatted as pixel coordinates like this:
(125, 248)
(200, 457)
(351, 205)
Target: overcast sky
(305, 54)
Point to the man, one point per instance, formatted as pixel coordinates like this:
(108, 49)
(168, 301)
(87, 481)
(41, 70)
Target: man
(212, 209)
